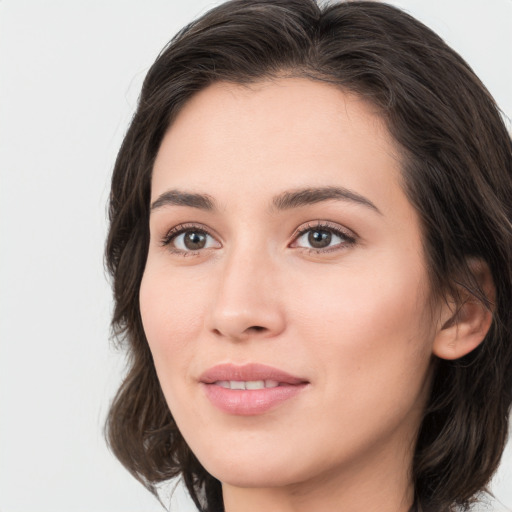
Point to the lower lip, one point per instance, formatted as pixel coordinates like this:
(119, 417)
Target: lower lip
(250, 402)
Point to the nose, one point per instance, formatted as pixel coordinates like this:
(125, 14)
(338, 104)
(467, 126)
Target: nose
(247, 300)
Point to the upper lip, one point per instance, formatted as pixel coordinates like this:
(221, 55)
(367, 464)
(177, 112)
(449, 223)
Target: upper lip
(248, 372)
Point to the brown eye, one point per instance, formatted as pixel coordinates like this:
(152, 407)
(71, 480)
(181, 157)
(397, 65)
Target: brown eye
(322, 238)
(194, 240)
(191, 240)
(319, 239)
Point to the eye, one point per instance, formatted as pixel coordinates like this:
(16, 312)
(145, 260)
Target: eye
(323, 237)
(189, 239)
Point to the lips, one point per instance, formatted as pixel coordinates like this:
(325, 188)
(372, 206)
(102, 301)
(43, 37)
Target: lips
(250, 389)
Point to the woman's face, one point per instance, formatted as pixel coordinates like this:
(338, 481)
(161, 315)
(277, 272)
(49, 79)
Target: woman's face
(285, 297)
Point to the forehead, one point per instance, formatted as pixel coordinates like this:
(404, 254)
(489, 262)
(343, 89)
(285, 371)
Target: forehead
(288, 132)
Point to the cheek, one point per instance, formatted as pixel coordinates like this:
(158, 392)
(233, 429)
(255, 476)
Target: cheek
(367, 340)
(382, 298)
(172, 314)
(371, 325)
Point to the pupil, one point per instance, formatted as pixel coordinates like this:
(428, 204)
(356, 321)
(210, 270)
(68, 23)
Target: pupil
(319, 239)
(195, 240)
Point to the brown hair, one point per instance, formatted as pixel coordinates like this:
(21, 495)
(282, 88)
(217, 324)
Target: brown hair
(457, 172)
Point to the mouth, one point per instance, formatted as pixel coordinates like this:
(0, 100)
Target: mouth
(247, 384)
(250, 389)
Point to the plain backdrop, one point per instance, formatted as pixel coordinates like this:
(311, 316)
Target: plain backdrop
(70, 74)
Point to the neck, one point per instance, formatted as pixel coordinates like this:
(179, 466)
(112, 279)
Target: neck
(384, 485)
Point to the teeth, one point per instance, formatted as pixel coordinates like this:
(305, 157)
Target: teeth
(255, 384)
(248, 384)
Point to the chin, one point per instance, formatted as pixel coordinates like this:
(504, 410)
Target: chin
(250, 477)
(253, 469)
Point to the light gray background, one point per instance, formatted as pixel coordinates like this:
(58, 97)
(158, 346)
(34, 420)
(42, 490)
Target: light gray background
(70, 73)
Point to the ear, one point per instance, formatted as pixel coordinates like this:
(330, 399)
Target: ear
(464, 323)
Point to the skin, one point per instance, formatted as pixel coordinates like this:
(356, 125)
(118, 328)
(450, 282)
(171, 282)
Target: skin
(354, 319)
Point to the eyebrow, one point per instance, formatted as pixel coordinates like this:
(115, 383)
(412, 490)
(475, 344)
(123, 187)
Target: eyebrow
(307, 196)
(180, 198)
(285, 201)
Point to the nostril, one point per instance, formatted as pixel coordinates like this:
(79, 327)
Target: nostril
(256, 328)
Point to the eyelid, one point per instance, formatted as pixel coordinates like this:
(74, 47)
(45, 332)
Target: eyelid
(350, 237)
(179, 229)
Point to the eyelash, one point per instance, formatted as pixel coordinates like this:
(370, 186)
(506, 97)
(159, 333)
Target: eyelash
(178, 230)
(348, 238)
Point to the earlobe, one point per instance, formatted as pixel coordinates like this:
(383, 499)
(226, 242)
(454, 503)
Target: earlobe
(464, 325)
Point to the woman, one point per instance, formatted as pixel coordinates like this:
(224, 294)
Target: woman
(311, 249)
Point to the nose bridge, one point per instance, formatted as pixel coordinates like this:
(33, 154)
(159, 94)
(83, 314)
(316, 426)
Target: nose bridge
(246, 300)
